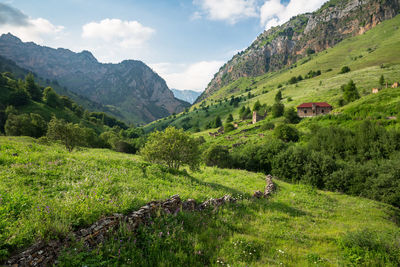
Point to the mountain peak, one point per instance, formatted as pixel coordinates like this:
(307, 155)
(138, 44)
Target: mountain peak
(88, 55)
(9, 37)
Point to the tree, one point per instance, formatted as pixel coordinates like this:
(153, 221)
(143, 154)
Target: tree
(286, 133)
(382, 80)
(278, 96)
(293, 80)
(344, 69)
(51, 98)
(277, 109)
(18, 98)
(218, 122)
(217, 156)
(350, 92)
(32, 89)
(70, 134)
(228, 127)
(291, 115)
(173, 148)
(257, 106)
(229, 118)
(18, 125)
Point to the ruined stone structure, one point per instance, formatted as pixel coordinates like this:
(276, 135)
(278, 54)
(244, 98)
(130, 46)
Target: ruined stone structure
(45, 254)
(375, 90)
(313, 109)
(395, 85)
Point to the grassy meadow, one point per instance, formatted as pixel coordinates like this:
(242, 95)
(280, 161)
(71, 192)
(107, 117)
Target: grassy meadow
(47, 192)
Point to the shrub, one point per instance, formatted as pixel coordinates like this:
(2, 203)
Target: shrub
(229, 118)
(267, 126)
(71, 135)
(173, 147)
(344, 69)
(291, 115)
(277, 109)
(286, 133)
(217, 156)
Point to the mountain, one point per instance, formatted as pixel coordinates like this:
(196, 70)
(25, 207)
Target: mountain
(301, 36)
(186, 95)
(130, 88)
(7, 65)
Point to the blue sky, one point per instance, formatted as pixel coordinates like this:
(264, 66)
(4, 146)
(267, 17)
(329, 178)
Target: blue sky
(185, 41)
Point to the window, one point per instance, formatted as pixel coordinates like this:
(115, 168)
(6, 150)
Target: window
(305, 111)
(322, 111)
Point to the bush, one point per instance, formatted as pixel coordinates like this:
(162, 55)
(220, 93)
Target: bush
(344, 69)
(277, 109)
(267, 126)
(173, 147)
(124, 147)
(217, 156)
(291, 116)
(286, 133)
(25, 125)
(71, 135)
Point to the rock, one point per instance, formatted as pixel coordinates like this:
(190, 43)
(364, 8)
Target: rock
(258, 194)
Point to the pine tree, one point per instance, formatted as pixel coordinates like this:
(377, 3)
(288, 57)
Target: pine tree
(382, 80)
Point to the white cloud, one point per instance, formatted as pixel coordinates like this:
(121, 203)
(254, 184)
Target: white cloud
(194, 76)
(273, 13)
(27, 29)
(228, 10)
(122, 33)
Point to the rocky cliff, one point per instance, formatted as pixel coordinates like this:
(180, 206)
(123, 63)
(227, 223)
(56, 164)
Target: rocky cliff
(130, 88)
(304, 34)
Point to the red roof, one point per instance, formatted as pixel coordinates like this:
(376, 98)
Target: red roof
(318, 104)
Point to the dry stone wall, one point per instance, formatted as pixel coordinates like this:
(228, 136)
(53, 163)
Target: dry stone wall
(45, 254)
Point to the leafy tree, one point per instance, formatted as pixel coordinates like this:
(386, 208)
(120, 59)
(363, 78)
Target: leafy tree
(291, 115)
(382, 80)
(39, 125)
(173, 147)
(229, 118)
(299, 78)
(277, 109)
(278, 96)
(32, 88)
(267, 126)
(257, 106)
(3, 80)
(344, 69)
(70, 134)
(218, 122)
(18, 98)
(51, 98)
(350, 92)
(293, 80)
(18, 125)
(217, 156)
(286, 133)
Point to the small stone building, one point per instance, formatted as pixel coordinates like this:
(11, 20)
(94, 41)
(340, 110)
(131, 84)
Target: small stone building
(375, 90)
(313, 109)
(395, 85)
(257, 117)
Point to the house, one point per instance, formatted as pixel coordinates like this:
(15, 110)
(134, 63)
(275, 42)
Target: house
(313, 109)
(257, 117)
(395, 85)
(375, 90)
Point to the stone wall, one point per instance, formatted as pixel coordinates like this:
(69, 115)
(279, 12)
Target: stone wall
(45, 254)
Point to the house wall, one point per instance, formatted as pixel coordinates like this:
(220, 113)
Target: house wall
(309, 112)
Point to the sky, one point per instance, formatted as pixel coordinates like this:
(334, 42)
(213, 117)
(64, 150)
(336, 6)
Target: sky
(184, 41)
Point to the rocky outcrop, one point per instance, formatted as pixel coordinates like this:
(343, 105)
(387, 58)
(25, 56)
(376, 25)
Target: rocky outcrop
(304, 34)
(269, 188)
(134, 90)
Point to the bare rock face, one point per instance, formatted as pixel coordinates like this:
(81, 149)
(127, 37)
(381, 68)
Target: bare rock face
(134, 90)
(312, 32)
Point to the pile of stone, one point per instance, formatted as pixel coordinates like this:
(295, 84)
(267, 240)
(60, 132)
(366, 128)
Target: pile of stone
(269, 188)
(45, 254)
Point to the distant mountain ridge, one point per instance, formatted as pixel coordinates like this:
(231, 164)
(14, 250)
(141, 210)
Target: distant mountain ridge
(304, 34)
(130, 88)
(186, 95)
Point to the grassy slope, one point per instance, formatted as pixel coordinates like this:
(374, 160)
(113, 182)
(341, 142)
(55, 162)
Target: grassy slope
(46, 192)
(364, 55)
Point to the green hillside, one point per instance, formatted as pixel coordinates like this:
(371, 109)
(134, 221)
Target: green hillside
(370, 55)
(45, 193)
